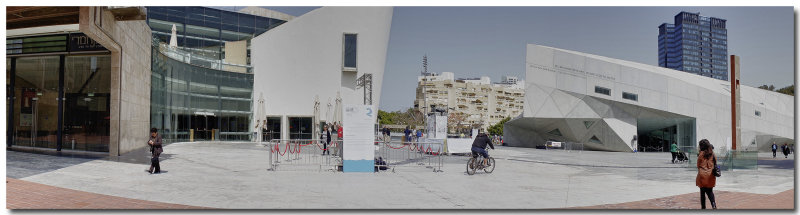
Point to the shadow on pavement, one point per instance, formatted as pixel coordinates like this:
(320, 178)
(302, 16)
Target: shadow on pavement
(24, 162)
(776, 164)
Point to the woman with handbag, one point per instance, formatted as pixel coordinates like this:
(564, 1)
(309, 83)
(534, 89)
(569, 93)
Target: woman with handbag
(706, 176)
(156, 148)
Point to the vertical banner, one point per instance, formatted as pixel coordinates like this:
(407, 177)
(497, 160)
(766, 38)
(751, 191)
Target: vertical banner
(441, 127)
(358, 146)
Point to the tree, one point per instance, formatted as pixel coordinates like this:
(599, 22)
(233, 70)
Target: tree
(455, 119)
(770, 87)
(497, 129)
(410, 117)
(789, 90)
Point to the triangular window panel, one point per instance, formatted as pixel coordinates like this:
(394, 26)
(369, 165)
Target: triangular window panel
(555, 132)
(588, 124)
(594, 139)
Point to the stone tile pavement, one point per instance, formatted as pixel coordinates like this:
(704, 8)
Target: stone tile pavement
(725, 200)
(28, 195)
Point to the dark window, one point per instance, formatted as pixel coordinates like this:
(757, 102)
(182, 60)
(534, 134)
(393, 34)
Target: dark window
(262, 22)
(758, 113)
(588, 124)
(602, 90)
(230, 18)
(350, 55)
(630, 96)
(555, 132)
(247, 21)
(594, 139)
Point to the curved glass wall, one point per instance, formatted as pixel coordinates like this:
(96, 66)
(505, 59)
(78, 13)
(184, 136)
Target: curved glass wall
(192, 103)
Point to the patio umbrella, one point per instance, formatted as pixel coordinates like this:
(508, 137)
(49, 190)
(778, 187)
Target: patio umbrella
(328, 116)
(173, 40)
(260, 115)
(316, 117)
(337, 111)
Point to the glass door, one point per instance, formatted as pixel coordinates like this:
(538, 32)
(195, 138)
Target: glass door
(36, 103)
(87, 102)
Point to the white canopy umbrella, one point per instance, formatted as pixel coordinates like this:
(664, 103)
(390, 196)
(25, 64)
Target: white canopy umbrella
(328, 116)
(337, 115)
(173, 40)
(316, 117)
(260, 115)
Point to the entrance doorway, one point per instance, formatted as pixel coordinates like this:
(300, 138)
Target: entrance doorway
(205, 127)
(657, 135)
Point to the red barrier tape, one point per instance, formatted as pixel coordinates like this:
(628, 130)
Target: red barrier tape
(390, 146)
(284, 150)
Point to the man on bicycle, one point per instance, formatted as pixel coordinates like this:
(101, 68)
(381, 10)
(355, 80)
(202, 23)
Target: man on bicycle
(479, 146)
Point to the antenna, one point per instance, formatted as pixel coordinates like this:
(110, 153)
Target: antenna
(425, 65)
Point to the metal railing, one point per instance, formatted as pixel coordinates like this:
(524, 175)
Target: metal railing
(398, 154)
(306, 155)
(566, 146)
(303, 155)
(191, 57)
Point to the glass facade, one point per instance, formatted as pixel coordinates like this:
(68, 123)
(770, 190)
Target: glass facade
(60, 97)
(695, 44)
(190, 102)
(204, 31)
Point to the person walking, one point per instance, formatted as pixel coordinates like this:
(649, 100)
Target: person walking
(674, 150)
(774, 149)
(407, 134)
(325, 136)
(387, 134)
(419, 134)
(155, 149)
(785, 149)
(706, 162)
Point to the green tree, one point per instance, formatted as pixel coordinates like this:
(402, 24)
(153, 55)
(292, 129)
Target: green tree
(789, 90)
(411, 117)
(770, 87)
(385, 118)
(497, 129)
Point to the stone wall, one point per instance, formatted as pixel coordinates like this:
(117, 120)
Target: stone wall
(130, 46)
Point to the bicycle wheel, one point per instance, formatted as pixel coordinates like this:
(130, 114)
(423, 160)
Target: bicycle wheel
(471, 166)
(491, 166)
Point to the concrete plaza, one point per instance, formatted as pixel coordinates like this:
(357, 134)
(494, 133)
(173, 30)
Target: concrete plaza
(235, 176)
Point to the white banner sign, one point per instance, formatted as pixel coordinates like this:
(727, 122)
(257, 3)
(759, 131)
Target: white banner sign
(359, 138)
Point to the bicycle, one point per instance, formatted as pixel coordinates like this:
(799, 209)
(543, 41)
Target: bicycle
(474, 164)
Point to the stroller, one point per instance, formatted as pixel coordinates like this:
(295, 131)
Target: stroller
(681, 157)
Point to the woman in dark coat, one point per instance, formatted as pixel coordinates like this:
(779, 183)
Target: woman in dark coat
(705, 177)
(156, 149)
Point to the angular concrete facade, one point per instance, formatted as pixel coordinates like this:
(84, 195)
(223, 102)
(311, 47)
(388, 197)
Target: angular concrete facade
(303, 59)
(605, 103)
(129, 43)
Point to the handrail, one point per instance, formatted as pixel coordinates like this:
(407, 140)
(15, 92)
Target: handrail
(177, 53)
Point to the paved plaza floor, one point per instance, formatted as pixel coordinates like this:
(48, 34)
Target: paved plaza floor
(234, 175)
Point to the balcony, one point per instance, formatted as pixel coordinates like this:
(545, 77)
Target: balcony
(189, 57)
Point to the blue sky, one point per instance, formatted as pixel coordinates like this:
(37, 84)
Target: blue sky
(490, 41)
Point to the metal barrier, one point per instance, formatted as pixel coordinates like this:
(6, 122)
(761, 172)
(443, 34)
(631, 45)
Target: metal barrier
(398, 154)
(303, 154)
(566, 146)
(306, 155)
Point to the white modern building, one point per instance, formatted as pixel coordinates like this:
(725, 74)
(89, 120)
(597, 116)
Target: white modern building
(482, 102)
(615, 105)
(315, 57)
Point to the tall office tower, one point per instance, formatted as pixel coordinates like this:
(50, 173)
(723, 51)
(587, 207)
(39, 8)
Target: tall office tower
(694, 44)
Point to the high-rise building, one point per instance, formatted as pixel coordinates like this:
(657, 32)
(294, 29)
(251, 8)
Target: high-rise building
(694, 44)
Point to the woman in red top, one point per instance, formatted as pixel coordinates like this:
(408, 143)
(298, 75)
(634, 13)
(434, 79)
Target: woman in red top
(705, 177)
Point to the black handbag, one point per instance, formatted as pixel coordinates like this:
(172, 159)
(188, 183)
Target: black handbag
(716, 172)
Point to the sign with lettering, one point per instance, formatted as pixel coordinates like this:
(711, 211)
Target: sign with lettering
(81, 42)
